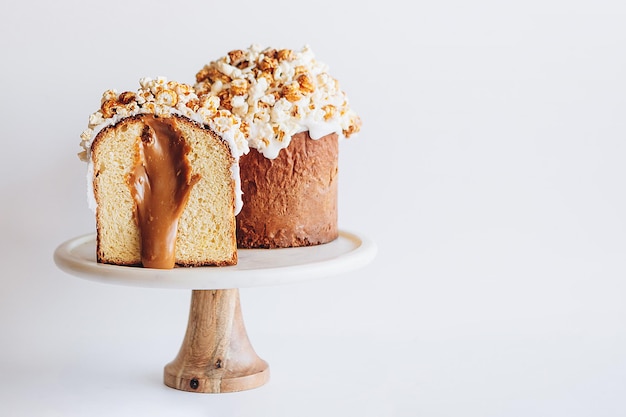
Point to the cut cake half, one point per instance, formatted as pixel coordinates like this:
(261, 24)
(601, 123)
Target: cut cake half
(206, 225)
(164, 177)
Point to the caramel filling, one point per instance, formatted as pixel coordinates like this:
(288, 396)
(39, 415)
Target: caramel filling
(160, 184)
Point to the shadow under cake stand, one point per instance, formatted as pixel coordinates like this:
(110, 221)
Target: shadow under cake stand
(216, 354)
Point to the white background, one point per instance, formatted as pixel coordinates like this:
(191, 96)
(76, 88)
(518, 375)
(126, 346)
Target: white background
(490, 172)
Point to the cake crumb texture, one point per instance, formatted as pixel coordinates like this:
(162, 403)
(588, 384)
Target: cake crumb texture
(206, 228)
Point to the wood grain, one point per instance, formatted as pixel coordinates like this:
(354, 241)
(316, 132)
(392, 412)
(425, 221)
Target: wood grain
(216, 354)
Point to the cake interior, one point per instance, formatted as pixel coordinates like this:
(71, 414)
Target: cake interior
(205, 230)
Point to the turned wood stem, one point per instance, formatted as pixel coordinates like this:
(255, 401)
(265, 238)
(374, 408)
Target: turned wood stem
(216, 354)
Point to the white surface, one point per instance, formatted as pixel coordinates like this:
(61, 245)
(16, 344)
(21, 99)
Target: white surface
(255, 267)
(490, 173)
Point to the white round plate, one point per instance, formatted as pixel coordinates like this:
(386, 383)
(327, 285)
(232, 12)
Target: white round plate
(256, 267)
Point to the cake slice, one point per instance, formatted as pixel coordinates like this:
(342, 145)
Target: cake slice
(164, 178)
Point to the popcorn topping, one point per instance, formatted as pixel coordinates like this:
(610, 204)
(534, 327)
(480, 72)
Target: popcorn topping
(277, 93)
(164, 98)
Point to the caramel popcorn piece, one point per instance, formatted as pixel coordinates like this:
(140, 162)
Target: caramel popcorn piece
(239, 87)
(268, 64)
(211, 74)
(167, 97)
(278, 133)
(269, 76)
(291, 92)
(202, 75)
(108, 95)
(193, 104)
(179, 88)
(306, 85)
(245, 128)
(329, 111)
(300, 69)
(225, 98)
(270, 52)
(150, 107)
(285, 55)
(108, 108)
(355, 126)
(242, 64)
(126, 97)
(235, 56)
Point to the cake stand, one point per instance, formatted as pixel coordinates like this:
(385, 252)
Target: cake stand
(216, 354)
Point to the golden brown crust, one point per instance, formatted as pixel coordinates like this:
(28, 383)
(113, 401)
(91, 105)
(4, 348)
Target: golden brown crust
(291, 200)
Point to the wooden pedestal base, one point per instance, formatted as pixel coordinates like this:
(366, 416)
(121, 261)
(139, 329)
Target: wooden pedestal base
(216, 354)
